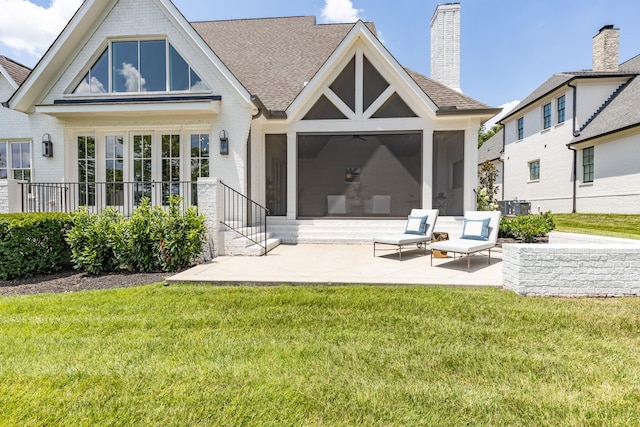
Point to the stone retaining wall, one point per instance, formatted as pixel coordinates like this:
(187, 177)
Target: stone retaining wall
(598, 266)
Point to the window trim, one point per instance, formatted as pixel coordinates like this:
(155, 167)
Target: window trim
(529, 165)
(520, 129)
(546, 115)
(591, 165)
(561, 112)
(9, 167)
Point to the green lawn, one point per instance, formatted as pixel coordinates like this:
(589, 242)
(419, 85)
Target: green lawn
(615, 225)
(295, 356)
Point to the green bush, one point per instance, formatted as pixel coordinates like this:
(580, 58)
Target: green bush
(93, 240)
(526, 227)
(152, 239)
(33, 243)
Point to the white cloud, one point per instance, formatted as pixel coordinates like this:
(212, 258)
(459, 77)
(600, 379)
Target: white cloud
(338, 11)
(506, 109)
(133, 80)
(28, 28)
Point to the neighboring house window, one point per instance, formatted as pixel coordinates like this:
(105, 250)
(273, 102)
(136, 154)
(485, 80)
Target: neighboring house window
(140, 66)
(587, 165)
(534, 170)
(561, 102)
(547, 115)
(15, 160)
(521, 128)
(199, 161)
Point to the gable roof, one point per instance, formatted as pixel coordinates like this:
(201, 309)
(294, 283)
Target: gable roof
(17, 72)
(274, 58)
(621, 113)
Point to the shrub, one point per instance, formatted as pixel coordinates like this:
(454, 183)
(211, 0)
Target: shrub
(526, 227)
(93, 240)
(152, 239)
(33, 243)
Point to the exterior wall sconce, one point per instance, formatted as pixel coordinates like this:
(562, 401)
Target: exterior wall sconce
(224, 142)
(47, 146)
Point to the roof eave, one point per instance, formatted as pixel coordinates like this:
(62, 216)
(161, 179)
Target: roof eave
(601, 135)
(490, 112)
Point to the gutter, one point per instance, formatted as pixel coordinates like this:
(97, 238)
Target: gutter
(263, 110)
(454, 111)
(575, 151)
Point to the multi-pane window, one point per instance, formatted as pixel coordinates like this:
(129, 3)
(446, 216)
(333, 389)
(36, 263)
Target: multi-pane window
(546, 114)
(87, 170)
(534, 170)
(140, 66)
(170, 161)
(587, 164)
(114, 168)
(199, 162)
(142, 162)
(561, 108)
(520, 128)
(15, 160)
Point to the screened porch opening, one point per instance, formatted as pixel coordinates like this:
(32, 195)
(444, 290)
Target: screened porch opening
(359, 175)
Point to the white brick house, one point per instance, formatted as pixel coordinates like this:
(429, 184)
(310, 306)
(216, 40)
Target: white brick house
(573, 144)
(318, 120)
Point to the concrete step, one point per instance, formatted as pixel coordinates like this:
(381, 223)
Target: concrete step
(344, 231)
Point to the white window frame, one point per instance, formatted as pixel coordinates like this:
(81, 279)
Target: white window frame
(8, 166)
(529, 166)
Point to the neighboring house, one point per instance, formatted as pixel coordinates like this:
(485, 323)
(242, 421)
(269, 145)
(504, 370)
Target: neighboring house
(15, 134)
(491, 151)
(573, 144)
(310, 120)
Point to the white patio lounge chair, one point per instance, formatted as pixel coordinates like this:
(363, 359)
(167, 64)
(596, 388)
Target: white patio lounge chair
(418, 229)
(479, 233)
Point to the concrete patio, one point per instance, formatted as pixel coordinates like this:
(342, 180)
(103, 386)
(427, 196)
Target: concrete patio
(346, 264)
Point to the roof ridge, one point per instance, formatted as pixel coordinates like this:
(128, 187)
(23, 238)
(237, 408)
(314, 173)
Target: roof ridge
(264, 18)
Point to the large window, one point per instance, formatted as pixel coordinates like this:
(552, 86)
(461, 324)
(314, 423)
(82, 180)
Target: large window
(534, 170)
(15, 160)
(561, 109)
(520, 131)
(546, 114)
(587, 164)
(87, 169)
(140, 66)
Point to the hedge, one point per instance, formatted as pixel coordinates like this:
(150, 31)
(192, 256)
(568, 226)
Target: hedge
(33, 243)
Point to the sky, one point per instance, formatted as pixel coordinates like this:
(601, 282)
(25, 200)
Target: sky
(508, 47)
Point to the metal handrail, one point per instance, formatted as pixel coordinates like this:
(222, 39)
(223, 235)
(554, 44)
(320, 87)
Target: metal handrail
(245, 217)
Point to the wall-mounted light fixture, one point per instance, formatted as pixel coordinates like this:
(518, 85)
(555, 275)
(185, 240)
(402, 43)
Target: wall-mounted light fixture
(224, 142)
(47, 146)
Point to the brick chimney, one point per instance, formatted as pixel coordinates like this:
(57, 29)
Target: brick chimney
(445, 45)
(606, 47)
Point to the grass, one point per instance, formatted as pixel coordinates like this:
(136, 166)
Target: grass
(614, 225)
(305, 356)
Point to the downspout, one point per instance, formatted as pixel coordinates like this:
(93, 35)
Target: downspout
(575, 151)
(504, 143)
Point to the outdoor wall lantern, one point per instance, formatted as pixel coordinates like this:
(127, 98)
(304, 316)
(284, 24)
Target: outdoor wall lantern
(47, 146)
(224, 142)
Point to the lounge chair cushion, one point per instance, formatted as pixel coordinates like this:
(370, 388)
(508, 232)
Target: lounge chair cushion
(416, 225)
(476, 229)
(402, 239)
(464, 246)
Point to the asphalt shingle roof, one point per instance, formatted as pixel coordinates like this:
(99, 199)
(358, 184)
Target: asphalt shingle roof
(274, 57)
(17, 71)
(621, 113)
(492, 148)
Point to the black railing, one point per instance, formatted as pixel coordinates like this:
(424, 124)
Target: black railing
(245, 217)
(96, 196)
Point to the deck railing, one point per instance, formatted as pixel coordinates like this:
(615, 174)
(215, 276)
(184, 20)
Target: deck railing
(96, 196)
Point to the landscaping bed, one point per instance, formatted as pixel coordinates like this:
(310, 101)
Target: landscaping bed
(72, 281)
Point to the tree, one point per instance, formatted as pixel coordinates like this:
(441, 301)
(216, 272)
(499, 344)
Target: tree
(487, 190)
(484, 134)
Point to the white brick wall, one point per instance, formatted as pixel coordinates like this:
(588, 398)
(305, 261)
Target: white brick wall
(445, 45)
(4, 196)
(572, 270)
